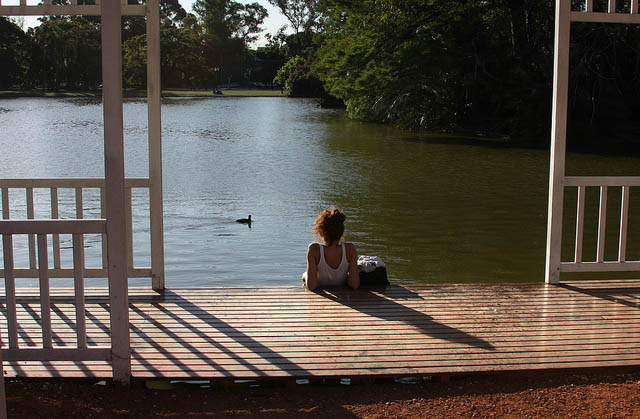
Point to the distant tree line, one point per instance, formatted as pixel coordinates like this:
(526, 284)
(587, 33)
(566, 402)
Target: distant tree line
(201, 50)
(441, 65)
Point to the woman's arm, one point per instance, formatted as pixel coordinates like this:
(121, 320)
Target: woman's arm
(353, 279)
(311, 277)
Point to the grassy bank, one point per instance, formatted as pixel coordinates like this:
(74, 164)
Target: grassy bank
(141, 93)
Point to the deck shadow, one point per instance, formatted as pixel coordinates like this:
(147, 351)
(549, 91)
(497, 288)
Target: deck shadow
(374, 302)
(608, 293)
(220, 325)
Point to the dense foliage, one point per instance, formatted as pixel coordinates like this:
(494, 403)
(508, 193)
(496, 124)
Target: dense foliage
(478, 65)
(198, 51)
(441, 64)
(473, 66)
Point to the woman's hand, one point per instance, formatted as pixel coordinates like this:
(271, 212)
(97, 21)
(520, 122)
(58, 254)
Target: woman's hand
(353, 278)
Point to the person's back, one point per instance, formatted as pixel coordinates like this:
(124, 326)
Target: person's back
(331, 263)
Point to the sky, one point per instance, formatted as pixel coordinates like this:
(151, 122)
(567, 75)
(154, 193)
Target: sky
(272, 23)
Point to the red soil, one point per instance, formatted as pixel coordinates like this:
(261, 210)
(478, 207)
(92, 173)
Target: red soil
(585, 395)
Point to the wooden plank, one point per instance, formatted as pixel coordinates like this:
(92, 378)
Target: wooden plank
(78, 279)
(32, 239)
(33, 227)
(612, 6)
(56, 237)
(589, 6)
(296, 298)
(278, 332)
(634, 6)
(103, 214)
(45, 305)
(128, 216)
(558, 142)
(186, 343)
(624, 222)
(69, 183)
(79, 204)
(145, 371)
(605, 18)
(155, 144)
(602, 224)
(324, 319)
(57, 354)
(5, 203)
(602, 181)
(600, 266)
(68, 10)
(580, 223)
(3, 396)
(372, 348)
(143, 272)
(199, 323)
(10, 290)
(114, 189)
(80, 216)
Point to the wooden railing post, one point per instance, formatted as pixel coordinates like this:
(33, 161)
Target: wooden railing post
(114, 190)
(155, 145)
(3, 394)
(558, 141)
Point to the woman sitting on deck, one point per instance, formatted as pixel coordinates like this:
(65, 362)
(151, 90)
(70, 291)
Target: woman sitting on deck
(330, 263)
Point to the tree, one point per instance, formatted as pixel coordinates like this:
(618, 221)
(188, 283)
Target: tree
(65, 50)
(302, 14)
(13, 44)
(440, 64)
(229, 27)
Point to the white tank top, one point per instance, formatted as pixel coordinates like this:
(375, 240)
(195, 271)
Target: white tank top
(327, 276)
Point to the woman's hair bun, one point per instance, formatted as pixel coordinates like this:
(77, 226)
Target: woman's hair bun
(330, 225)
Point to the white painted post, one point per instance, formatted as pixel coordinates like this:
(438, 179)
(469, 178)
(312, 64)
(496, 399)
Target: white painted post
(10, 290)
(580, 223)
(45, 299)
(155, 145)
(114, 190)
(602, 224)
(103, 214)
(558, 140)
(3, 394)
(78, 284)
(55, 214)
(32, 237)
(624, 222)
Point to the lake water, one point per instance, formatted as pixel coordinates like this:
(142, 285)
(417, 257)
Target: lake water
(435, 208)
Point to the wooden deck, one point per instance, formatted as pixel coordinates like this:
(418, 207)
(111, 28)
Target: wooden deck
(290, 332)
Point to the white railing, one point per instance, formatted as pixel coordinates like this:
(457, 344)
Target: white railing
(610, 15)
(70, 7)
(600, 264)
(78, 185)
(48, 351)
(622, 11)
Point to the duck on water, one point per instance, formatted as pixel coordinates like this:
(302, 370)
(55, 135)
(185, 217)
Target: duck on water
(244, 220)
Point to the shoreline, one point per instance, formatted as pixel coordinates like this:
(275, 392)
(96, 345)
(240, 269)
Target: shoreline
(139, 93)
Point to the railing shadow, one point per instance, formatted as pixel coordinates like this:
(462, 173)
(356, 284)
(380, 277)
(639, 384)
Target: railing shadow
(608, 293)
(220, 326)
(372, 302)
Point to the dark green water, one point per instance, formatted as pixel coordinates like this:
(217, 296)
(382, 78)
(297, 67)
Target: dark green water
(435, 208)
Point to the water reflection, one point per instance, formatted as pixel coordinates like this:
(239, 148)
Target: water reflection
(435, 208)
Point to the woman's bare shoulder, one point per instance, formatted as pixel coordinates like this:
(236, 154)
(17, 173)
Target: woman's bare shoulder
(313, 249)
(351, 249)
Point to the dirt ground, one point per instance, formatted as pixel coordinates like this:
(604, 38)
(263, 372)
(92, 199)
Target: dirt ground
(613, 394)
